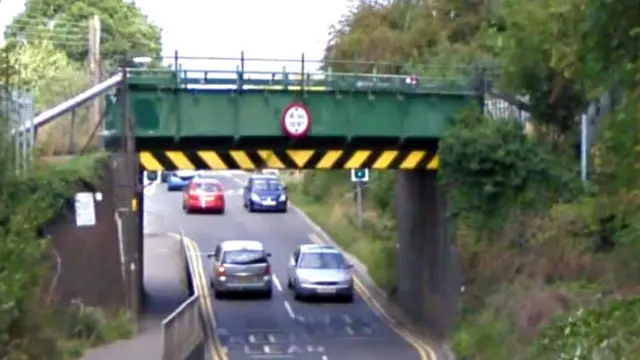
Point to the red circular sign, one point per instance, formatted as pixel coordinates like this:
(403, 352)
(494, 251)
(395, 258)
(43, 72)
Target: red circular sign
(296, 120)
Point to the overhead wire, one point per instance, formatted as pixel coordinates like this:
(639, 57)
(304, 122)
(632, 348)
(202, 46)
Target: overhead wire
(58, 31)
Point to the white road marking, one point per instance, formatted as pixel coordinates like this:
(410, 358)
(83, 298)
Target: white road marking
(325, 357)
(252, 339)
(272, 339)
(276, 282)
(349, 330)
(289, 309)
(150, 189)
(347, 319)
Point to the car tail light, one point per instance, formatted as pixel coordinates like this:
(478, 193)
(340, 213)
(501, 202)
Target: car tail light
(267, 269)
(220, 270)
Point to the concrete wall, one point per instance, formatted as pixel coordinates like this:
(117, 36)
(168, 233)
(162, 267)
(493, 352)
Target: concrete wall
(86, 260)
(429, 276)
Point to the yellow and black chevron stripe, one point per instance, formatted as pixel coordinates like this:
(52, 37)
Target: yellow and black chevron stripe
(287, 159)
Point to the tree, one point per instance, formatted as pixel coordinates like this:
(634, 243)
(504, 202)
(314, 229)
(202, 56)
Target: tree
(125, 29)
(423, 37)
(51, 78)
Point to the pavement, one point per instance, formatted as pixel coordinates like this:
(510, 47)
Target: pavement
(280, 328)
(166, 286)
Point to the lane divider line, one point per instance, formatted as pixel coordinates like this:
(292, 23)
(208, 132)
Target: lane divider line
(289, 309)
(276, 282)
(424, 350)
(214, 346)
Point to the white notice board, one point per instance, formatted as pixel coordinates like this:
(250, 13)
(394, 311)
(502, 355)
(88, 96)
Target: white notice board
(85, 209)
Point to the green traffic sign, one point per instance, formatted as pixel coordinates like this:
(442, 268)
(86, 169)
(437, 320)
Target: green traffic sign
(360, 175)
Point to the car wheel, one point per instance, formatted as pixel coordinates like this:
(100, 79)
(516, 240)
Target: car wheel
(268, 294)
(289, 284)
(219, 294)
(250, 208)
(284, 210)
(348, 298)
(221, 212)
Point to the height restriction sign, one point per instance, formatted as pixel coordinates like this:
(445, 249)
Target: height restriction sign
(296, 120)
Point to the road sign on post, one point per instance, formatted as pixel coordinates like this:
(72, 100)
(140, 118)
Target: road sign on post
(359, 175)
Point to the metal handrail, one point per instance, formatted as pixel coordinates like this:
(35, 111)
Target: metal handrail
(182, 329)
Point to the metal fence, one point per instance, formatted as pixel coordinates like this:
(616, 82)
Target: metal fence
(178, 335)
(16, 108)
(183, 330)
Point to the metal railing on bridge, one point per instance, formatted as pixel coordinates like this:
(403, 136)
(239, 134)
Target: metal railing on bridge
(303, 74)
(183, 335)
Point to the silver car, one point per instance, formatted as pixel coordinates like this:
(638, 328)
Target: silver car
(241, 266)
(320, 271)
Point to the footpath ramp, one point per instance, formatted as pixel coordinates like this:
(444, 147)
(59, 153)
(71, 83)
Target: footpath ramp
(165, 282)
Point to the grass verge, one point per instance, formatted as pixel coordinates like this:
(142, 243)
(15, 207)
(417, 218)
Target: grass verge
(88, 327)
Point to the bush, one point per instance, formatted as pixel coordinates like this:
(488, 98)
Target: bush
(608, 332)
(29, 202)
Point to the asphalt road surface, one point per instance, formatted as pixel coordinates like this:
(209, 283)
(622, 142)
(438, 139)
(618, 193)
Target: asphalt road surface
(279, 328)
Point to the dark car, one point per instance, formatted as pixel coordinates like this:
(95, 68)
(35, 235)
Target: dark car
(265, 193)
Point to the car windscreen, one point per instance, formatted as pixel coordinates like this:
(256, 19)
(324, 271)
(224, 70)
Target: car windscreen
(244, 257)
(267, 185)
(322, 260)
(205, 187)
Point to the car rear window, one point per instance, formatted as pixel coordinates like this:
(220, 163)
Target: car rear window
(206, 187)
(244, 257)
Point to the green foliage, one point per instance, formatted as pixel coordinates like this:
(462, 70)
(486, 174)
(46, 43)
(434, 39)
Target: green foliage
(554, 56)
(125, 29)
(493, 168)
(46, 73)
(28, 204)
(608, 332)
(541, 64)
(406, 37)
(92, 326)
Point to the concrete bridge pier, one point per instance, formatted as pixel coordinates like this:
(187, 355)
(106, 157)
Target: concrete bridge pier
(125, 168)
(427, 268)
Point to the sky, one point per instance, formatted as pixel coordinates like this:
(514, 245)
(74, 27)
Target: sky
(281, 29)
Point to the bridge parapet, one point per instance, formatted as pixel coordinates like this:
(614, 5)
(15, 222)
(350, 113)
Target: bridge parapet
(311, 75)
(220, 104)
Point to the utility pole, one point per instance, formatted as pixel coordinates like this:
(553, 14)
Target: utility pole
(359, 177)
(584, 147)
(359, 203)
(95, 66)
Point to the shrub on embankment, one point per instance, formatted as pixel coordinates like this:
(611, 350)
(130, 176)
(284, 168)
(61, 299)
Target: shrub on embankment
(30, 326)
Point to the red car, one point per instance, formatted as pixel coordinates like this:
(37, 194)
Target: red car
(203, 195)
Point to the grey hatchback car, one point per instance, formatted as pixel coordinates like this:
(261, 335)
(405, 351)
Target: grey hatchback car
(320, 271)
(241, 266)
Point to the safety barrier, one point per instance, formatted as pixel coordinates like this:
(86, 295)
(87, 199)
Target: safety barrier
(288, 159)
(182, 331)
